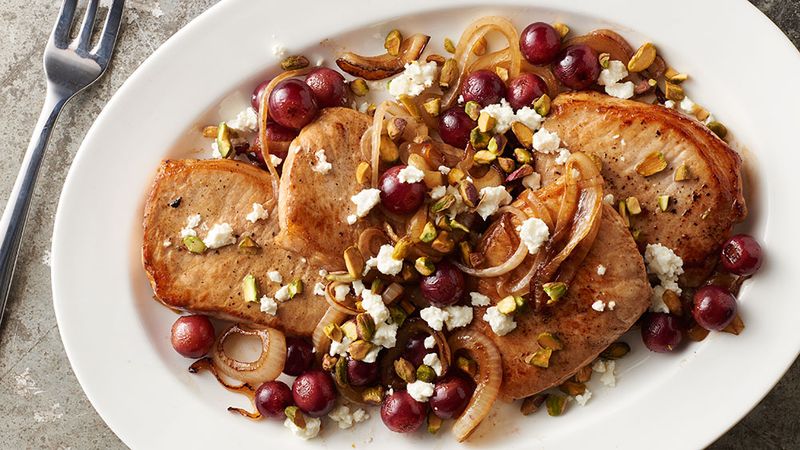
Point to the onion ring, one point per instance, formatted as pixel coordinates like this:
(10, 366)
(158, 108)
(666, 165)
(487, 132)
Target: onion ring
(515, 260)
(269, 363)
(321, 341)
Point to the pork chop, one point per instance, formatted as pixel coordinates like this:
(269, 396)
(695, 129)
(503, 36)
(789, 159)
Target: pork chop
(701, 210)
(314, 205)
(222, 191)
(584, 331)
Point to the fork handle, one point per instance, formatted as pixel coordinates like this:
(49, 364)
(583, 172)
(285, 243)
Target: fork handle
(12, 223)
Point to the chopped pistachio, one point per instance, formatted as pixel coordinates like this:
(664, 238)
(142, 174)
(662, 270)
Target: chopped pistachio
(424, 266)
(584, 374)
(443, 243)
(651, 82)
(523, 156)
(682, 173)
(549, 340)
(329, 362)
(434, 423)
(410, 105)
(467, 365)
(562, 29)
(449, 46)
(350, 330)
(633, 205)
(555, 290)
(388, 149)
(542, 105)
(448, 74)
(636, 234)
(392, 42)
(334, 332)
(342, 277)
(433, 106)
(405, 370)
(295, 287)
(402, 247)
(473, 109)
(616, 350)
(497, 144)
(453, 224)
(623, 212)
(651, 164)
(506, 164)
(673, 92)
(398, 314)
(465, 251)
(531, 404)
(572, 388)
(540, 358)
(194, 244)
(340, 372)
(443, 223)
(663, 202)
(643, 58)
(455, 175)
(426, 373)
(294, 414)
(479, 139)
(604, 59)
(365, 326)
(486, 122)
(507, 305)
(248, 246)
(443, 203)
(294, 62)
(371, 109)
(501, 72)
(359, 87)
(428, 233)
(484, 157)
(372, 395)
(354, 261)
(718, 128)
(556, 404)
(363, 172)
(438, 59)
(521, 302)
(210, 131)
(469, 193)
(674, 76)
(224, 145)
(395, 127)
(377, 286)
(358, 349)
(480, 47)
(250, 288)
(523, 133)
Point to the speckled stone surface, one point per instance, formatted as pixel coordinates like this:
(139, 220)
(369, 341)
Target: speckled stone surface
(41, 402)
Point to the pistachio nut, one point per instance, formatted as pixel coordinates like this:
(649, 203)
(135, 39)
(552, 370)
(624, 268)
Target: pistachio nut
(449, 73)
(365, 326)
(443, 203)
(484, 157)
(372, 395)
(465, 251)
(479, 139)
(473, 109)
(501, 72)
(663, 202)
(507, 305)
(549, 340)
(250, 288)
(479, 49)
(295, 287)
(428, 233)
(329, 362)
(398, 314)
(572, 388)
(395, 127)
(248, 246)
(433, 106)
(455, 175)
(556, 404)
(363, 172)
(434, 423)
(718, 128)
(682, 173)
(443, 243)
(350, 330)
(604, 59)
(506, 164)
(294, 414)
(438, 59)
(673, 302)
(555, 290)
(468, 365)
(334, 332)
(424, 266)
(359, 348)
(426, 373)
(652, 164)
(449, 46)
(562, 29)
(388, 149)
(633, 205)
(224, 145)
(622, 208)
(294, 62)
(410, 105)
(340, 372)
(392, 42)
(616, 350)
(673, 92)
(584, 374)
(402, 247)
(194, 244)
(405, 370)
(643, 58)
(522, 156)
(359, 87)
(540, 358)
(486, 122)
(469, 193)
(542, 105)
(523, 133)
(210, 131)
(532, 404)
(497, 144)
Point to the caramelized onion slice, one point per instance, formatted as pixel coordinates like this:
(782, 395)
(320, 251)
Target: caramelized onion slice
(488, 379)
(321, 341)
(269, 363)
(333, 302)
(386, 65)
(513, 261)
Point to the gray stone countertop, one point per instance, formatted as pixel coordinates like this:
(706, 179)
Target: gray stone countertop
(41, 403)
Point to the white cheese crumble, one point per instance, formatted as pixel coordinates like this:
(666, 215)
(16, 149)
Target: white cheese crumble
(438, 192)
(275, 160)
(246, 120)
(279, 50)
(358, 287)
(258, 213)
(599, 306)
(545, 141)
(339, 348)
(501, 324)
(410, 174)
(215, 153)
(667, 266)
(385, 262)
(365, 201)
(611, 305)
(610, 78)
(434, 317)
(420, 390)
(374, 306)
(601, 270)
(345, 419)
(414, 79)
(430, 342)
(581, 399)
(283, 294)
(319, 289)
(269, 305)
(529, 117)
(503, 115)
(219, 235)
(275, 276)
(372, 355)
(563, 156)
(385, 335)
(340, 292)
(606, 368)
(432, 360)
(532, 181)
(621, 90)
(351, 219)
(166, 243)
(533, 232)
(458, 316)
(478, 299)
(444, 170)
(608, 199)
(321, 166)
(309, 432)
(492, 198)
(191, 223)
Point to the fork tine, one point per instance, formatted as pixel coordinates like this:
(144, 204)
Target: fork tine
(88, 24)
(108, 37)
(64, 23)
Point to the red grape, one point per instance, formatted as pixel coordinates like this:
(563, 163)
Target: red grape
(524, 89)
(415, 349)
(484, 87)
(272, 398)
(451, 395)
(292, 104)
(445, 287)
(299, 356)
(398, 197)
(577, 67)
(360, 373)
(401, 413)
(714, 307)
(539, 43)
(192, 336)
(314, 393)
(328, 87)
(661, 332)
(741, 255)
(455, 126)
(258, 92)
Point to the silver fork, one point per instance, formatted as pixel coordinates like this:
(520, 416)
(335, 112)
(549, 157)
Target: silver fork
(70, 66)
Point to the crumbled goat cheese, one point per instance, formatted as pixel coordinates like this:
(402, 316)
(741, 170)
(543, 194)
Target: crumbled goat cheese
(601, 270)
(351, 219)
(657, 300)
(410, 174)
(365, 201)
(385, 262)
(444, 170)
(432, 360)
(434, 317)
(258, 213)
(533, 232)
(687, 105)
(545, 141)
(279, 50)
(345, 419)
(458, 205)
(339, 348)
(219, 235)
(503, 115)
(529, 117)
(363, 107)
(611, 305)
(323, 273)
(275, 276)
(532, 181)
(420, 390)
(191, 223)
(340, 291)
(599, 306)
(269, 305)
(246, 120)
(501, 324)
(374, 306)
(563, 156)
(621, 90)
(319, 289)
(385, 335)
(429, 342)
(321, 166)
(669, 104)
(478, 299)
(581, 399)
(309, 432)
(166, 243)
(275, 160)
(358, 287)
(608, 199)
(458, 316)
(215, 153)
(283, 294)
(667, 266)
(608, 378)
(492, 198)
(610, 78)
(414, 79)
(438, 192)
(372, 355)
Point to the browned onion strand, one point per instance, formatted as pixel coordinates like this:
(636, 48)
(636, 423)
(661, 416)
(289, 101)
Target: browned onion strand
(266, 367)
(513, 261)
(488, 379)
(522, 286)
(370, 241)
(333, 302)
(321, 341)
